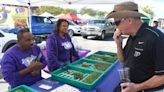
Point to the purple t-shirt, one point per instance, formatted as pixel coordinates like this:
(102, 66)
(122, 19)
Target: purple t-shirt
(59, 50)
(14, 60)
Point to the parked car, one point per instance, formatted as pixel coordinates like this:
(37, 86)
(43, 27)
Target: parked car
(73, 28)
(41, 28)
(7, 40)
(98, 27)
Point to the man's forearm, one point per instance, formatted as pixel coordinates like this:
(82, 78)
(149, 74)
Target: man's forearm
(24, 72)
(120, 54)
(155, 81)
(37, 66)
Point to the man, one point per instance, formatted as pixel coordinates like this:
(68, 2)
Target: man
(155, 24)
(22, 63)
(144, 50)
(157, 27)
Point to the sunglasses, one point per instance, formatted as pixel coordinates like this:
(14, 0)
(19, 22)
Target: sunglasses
(117, 23)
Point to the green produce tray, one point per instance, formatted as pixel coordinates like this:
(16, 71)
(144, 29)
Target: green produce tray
(105, 53)
(93, 65)
(22, 88)
(66, 75)
(101, 58)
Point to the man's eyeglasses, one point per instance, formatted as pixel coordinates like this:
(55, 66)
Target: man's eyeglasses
(117, 23)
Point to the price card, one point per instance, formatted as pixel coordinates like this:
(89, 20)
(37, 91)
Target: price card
(65, 88)
(46, 87)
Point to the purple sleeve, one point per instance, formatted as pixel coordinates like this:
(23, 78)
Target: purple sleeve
(40, 56)
(9, 72)
(42, 59)
(52, 54)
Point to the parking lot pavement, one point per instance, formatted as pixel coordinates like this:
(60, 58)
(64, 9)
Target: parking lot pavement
(3, 85)
(94, 45)
(91, 44)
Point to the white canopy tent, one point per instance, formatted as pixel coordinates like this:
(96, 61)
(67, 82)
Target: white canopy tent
(88, 1)
(59, 15)
(46, 14)
(85, 17)
(31, 3)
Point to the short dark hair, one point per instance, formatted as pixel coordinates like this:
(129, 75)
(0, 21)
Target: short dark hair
(155, 21)
(59, 22)
(20, 33)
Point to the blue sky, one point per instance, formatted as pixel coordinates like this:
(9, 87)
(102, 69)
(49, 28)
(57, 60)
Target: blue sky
(155, 5)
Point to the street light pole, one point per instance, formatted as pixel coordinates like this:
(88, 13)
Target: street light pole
(29, 16)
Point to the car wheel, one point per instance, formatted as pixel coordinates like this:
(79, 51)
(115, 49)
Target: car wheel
(85, 37)
(71, 33)
(102, 35)
(7, 46)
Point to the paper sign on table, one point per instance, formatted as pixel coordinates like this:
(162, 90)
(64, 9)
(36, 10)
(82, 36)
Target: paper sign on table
(66, 88)
(47, 87)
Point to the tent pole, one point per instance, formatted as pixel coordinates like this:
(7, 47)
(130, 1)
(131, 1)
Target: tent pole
(29, 16)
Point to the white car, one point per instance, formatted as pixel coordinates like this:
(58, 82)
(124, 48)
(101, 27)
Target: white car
(7, 40)
(74, 28)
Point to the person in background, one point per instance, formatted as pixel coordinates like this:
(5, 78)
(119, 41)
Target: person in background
(143, 52)
(155, 24)
(157, 27)
(22, 63)
(59, 46)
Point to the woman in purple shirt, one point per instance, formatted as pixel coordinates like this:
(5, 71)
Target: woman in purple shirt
(59, 46)
(22, 63)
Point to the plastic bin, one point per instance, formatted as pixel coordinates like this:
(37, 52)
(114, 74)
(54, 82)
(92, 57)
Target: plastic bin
(108, 54)
(101, 58)
(22, 88)
(67, 76)
(92, 65)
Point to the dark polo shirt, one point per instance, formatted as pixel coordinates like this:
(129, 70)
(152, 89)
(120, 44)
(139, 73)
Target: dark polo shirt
(144, 54)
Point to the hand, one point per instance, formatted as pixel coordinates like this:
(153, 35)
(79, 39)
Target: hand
(35, 66)
(34, 73)
(117, 37)
(128, 87)
(34, 61)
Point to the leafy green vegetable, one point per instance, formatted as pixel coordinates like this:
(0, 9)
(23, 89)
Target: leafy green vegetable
(78, 75)
(101, 66)
(91, 78)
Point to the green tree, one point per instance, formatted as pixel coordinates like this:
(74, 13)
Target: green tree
(50, 9)
(92, 12)
(88, 11)
(148, 10)
(54, 10)
(69, 11)
(101, 13)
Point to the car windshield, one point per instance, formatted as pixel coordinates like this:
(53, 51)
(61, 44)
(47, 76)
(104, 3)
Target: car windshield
(71, 22)
(96, 22)
(42, 20)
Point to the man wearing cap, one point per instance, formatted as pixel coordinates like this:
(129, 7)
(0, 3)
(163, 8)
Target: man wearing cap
(143, 52)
